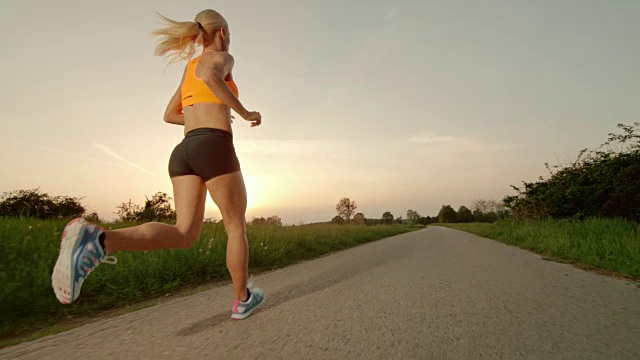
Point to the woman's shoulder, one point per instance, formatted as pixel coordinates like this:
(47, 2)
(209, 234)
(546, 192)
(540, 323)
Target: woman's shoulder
(220, 58)
(216, 54)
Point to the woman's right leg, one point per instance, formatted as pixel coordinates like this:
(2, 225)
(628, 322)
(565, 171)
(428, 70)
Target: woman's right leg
(229, 193)
(189, 193)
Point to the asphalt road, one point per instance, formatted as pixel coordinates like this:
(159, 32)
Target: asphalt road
(437, 293)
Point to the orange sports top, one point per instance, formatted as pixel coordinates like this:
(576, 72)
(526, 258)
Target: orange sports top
(194, 90)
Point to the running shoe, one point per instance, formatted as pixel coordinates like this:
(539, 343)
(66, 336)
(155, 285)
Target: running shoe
(80, 254)
(242, 309)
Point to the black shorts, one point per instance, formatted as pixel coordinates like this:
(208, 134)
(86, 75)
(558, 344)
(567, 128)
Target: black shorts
(205, 152)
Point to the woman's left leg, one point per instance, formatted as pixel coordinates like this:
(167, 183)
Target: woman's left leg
(81, 248)
(189, 193)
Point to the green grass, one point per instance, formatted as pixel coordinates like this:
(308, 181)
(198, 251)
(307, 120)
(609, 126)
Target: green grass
(29, 248)
(604, 244)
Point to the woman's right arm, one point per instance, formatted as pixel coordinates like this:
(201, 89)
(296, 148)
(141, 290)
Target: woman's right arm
(213, 76)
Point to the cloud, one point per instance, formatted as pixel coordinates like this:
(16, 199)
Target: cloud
(391, 14)
(429, 138)
(84, 157)
(290, 147)
(117, 156)
(456, 143)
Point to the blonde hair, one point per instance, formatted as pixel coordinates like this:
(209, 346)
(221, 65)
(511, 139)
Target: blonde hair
(178, 39)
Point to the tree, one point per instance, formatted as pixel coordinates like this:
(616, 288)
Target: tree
(464, 215)
(488, 210)
(274, 220)
(387, 217)
(480, 205)
(359, 219)
(346, 208)
(486, 206)
(128, 211)
(338, 220)
(447, 214)
(67, 207)
(259, 221)
(428, 220)
(413, 216)
(158, 208)
(35, 204)
(93, 217)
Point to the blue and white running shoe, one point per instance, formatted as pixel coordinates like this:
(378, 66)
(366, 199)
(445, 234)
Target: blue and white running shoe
(80, 253)
(242, 309)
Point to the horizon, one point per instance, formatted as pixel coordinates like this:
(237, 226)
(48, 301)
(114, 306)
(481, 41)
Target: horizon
(403, 105)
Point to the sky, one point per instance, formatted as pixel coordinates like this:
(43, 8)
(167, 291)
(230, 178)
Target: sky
(396, 105)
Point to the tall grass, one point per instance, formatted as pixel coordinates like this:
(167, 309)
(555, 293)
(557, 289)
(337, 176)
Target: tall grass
(29, 249)
(607, 244)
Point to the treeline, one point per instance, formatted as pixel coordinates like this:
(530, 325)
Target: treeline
(484, 211)
(481, 211)
(33, 203)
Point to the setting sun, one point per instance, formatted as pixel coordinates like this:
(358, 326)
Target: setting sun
(257, 194)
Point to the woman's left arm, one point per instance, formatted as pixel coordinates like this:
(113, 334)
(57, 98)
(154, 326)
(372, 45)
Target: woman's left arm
(173, 114)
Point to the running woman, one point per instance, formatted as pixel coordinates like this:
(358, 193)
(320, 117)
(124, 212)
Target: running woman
(204, 160)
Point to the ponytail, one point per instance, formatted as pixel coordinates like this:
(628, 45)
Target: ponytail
(178, 39)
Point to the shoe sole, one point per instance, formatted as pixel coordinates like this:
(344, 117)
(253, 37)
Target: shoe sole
(63, 273)
(246, 314)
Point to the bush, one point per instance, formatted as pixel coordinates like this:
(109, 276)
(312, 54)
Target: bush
(35, 204)
(597, 184)
(158, 208)
(274, 220)
(338, 220)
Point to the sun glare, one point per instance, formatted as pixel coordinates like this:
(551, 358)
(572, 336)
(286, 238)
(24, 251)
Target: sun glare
(257, 193)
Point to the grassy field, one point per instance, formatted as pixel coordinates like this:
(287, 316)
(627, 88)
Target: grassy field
(610, 245)
(29, 248)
